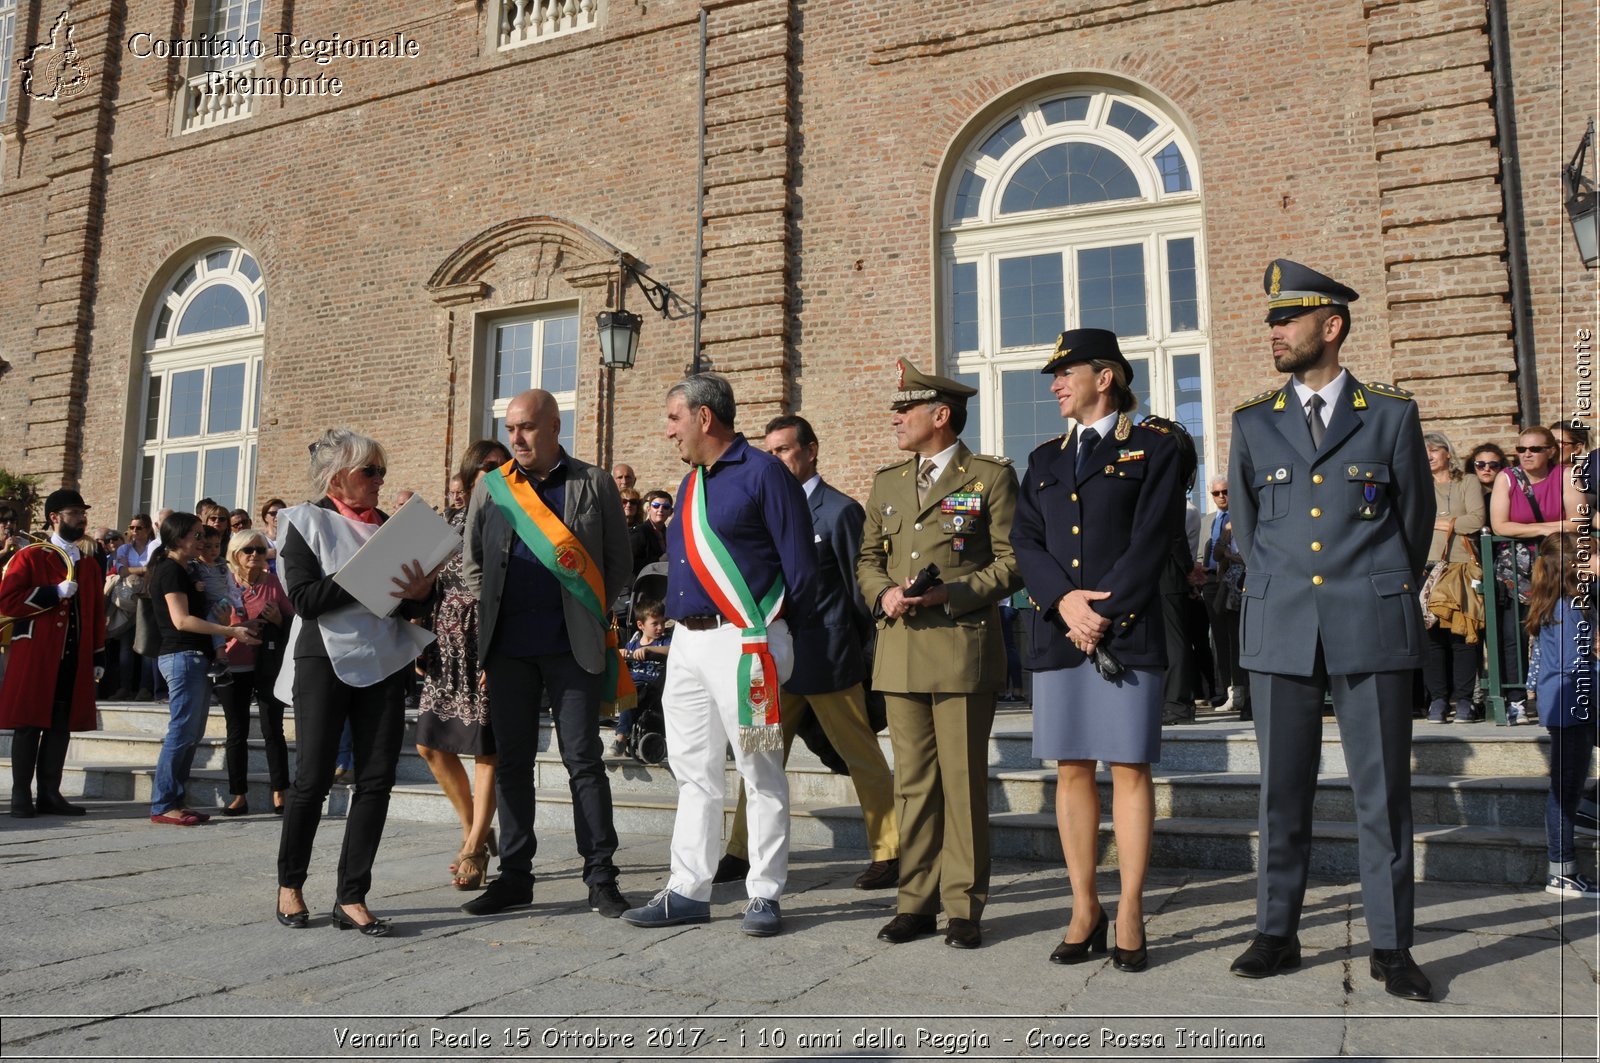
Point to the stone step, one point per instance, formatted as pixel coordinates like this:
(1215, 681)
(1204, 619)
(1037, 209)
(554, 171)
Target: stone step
(1448, 853)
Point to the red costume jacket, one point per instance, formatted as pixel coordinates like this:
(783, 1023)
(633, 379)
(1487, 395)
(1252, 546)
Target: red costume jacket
(28, 592)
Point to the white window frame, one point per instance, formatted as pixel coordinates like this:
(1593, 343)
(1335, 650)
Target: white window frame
(166, 356)
(200, 104)
(1153, 220)
(491, 406)
(8, 45)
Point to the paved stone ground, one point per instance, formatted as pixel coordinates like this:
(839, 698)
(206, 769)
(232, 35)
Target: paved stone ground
(121, 939)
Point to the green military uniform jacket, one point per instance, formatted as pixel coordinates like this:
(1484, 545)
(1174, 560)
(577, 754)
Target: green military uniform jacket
(964, 527)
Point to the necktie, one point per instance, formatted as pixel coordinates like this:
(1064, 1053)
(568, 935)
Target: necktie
(924, 479)
(1086, 445)
(1314, 420)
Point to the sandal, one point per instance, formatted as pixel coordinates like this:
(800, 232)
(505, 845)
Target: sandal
(177, 817)
(471, 870)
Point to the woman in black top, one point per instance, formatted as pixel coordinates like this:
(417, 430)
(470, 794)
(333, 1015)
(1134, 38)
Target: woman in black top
(180, 611)
(345, 663)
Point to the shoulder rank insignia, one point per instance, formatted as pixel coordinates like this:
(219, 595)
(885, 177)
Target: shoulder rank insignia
(1255, 400)
(1389, 391)
(998, 459)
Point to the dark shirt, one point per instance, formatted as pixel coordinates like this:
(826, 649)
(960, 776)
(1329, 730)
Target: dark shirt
(533, 621)
(169, 577)
(759, 510)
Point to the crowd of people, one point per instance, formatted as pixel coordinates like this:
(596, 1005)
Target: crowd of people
(757, 599)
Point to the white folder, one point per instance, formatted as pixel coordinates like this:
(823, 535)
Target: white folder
(414, 533)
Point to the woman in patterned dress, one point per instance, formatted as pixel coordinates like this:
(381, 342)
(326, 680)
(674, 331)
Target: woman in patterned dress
(452, 712)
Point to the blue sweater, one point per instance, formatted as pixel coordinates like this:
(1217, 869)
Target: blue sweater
(1567, 688)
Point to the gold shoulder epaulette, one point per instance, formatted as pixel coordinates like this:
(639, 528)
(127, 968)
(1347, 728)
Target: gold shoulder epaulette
(1154, 424)
(1255, 399)
(996, 458)
(1390, 390)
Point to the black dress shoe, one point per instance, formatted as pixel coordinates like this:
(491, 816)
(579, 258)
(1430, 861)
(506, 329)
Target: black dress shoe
(730, 869)
(22, 806)
(879, 875)
(1131, 959)
(1400, 975)
(376, 929)
(907, 927)
(503, 893)
(1267, 955)
(1078, 951)
(236, 810)
(963, 934)
(56, 805)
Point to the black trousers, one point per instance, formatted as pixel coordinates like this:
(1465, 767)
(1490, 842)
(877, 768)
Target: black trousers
(236, 750)
(1449, 665)
(376, 714)
(516, 688)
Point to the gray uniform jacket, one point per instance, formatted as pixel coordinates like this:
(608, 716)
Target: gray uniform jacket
(594, 514)
(1333, 539)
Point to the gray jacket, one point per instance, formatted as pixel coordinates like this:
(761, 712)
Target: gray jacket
(594, 514)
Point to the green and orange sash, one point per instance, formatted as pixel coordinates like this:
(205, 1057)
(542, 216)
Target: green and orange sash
(558, 550)
(759, 729)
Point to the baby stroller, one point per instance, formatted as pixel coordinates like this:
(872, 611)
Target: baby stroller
(648, 738)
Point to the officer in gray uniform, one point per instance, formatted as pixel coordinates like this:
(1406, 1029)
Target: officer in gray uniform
(1332, 507)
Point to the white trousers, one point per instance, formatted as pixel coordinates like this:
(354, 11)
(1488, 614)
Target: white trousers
(700, 701)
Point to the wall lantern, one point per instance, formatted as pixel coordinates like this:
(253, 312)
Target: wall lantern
(1581, 203)
(619, 328)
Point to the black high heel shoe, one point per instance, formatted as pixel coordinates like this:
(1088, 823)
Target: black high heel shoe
(376, 929)
(1078, 951)
(294, 920)
(1131, 959)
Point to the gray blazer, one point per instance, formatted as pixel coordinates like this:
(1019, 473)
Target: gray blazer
(1334, 539)
(594, 514)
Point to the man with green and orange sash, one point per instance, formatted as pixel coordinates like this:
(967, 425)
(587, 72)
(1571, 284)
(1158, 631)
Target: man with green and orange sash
(741, 561)
(546, 551)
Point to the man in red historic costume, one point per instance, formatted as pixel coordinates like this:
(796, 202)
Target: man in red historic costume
(57, 654)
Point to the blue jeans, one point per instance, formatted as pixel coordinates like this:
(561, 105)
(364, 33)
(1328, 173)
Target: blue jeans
(1571, 750)
(190, 693)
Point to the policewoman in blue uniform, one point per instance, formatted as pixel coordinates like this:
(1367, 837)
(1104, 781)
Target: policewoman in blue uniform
(1094, 522)
(1332, 508)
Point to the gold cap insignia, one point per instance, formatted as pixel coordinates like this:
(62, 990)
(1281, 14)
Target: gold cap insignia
(1277, 279)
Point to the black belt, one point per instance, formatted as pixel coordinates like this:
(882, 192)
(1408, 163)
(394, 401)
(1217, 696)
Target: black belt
(701, 623)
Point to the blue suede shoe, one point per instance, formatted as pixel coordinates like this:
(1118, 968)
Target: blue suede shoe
(761, 918)
(668, 908)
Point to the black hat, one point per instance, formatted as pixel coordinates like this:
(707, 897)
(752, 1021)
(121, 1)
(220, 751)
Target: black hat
(917, 386)
(1292, 289)
(66, 498)
(1087, 345)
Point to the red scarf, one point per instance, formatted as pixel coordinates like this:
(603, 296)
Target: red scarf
(365, 516)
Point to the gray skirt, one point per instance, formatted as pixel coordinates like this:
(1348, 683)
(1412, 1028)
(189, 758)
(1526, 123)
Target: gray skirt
(1077, 715)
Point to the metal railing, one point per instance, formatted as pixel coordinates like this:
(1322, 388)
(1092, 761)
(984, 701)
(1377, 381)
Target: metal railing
(1499, 678)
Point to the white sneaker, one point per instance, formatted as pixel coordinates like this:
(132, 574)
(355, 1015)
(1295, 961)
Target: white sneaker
(1576, 886)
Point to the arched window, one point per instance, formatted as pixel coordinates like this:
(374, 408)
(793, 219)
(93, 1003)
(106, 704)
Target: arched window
(1078, 209)
(201, 399)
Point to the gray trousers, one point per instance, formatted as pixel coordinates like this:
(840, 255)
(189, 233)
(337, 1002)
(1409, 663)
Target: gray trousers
(1374, 714)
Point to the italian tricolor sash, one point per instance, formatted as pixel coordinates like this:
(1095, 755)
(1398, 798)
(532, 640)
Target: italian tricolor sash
(558, 550)
(757, 680)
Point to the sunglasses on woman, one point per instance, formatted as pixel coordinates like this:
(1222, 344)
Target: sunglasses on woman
(1487, 465)
(1532, 450)
(373, 472)
(252, 549)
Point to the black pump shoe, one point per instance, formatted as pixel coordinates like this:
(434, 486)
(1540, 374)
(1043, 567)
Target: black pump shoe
(376, 929)
(1078, 951)
(1131, 959)
(294, 920)
(56, 805)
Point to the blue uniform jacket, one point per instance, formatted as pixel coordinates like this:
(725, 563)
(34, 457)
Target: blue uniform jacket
(759, 510)
(1567, 669)
(1109, 530)
(830, 645)
(1333, 539)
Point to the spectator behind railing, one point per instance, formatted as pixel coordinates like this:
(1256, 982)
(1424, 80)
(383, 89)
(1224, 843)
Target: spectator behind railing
(1527, 504)
(1450, 663)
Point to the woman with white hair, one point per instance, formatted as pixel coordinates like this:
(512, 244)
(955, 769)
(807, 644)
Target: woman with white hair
(345, 663)
(254, 670)
(1449, 663)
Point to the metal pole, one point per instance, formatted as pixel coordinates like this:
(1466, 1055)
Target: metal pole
(1522, 338)
(700, 198)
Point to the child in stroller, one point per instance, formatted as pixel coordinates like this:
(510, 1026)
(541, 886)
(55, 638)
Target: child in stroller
(641, 731)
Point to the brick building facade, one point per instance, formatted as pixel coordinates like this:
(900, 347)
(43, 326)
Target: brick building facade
(196, 280)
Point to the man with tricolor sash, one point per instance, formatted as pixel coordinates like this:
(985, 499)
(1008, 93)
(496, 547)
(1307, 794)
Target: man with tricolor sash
(741, 563)
(546, 551)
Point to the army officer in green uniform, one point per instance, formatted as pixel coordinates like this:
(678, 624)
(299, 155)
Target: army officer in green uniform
(940, 658)
(1332, 507)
